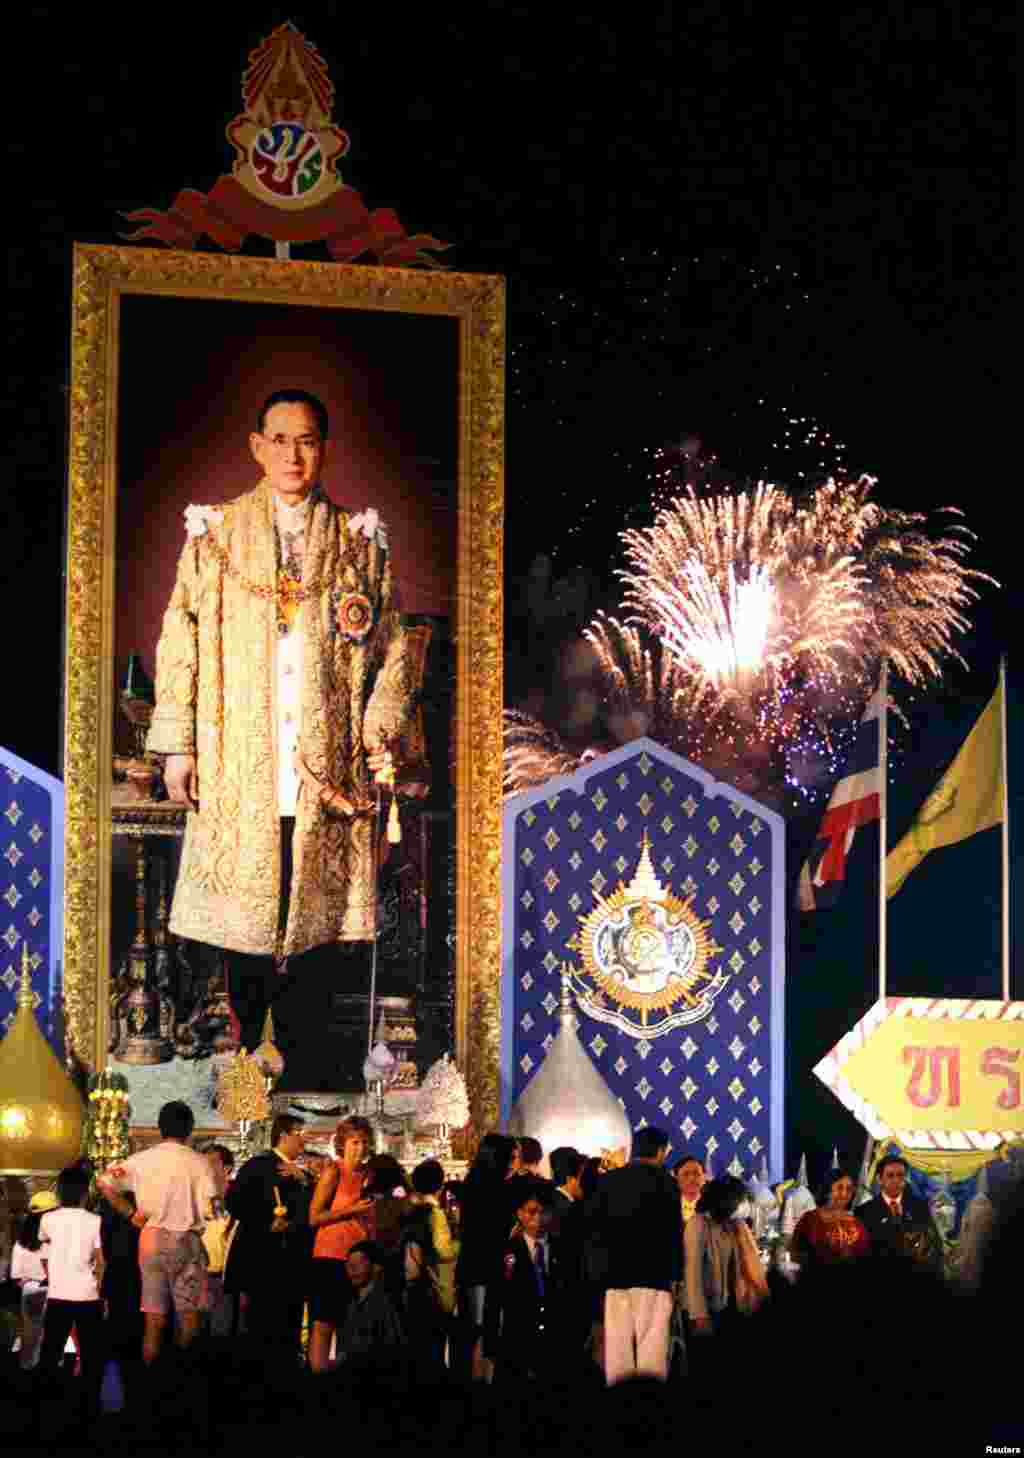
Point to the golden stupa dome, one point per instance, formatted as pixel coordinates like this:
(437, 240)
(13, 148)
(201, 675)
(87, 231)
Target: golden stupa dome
(41, 1111)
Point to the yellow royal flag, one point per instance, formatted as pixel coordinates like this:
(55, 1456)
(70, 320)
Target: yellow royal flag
(968, 798)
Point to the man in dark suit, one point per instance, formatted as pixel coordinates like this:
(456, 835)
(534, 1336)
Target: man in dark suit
(635, 1236)
(568, 1229)
(271, 1253)
(372, 1345)
(528, 1306)
(566, 1168)
(526, 1173)
(566, 1218)
(899, 1224)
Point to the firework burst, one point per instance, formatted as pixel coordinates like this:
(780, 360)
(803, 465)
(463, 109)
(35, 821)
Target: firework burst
(744, 593)
(535, 753)
(753, 627)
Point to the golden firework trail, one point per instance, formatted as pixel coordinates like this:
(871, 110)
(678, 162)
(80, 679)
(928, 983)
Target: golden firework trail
(753, 624)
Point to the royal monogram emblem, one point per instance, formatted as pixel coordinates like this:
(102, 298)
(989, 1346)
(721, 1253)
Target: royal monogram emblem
(647, 958)
(284, 183)
(286, 143)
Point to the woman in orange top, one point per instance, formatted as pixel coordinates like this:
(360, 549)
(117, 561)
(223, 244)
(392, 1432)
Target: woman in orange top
(341, 1217)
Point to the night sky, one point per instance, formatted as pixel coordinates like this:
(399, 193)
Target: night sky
(711, 226)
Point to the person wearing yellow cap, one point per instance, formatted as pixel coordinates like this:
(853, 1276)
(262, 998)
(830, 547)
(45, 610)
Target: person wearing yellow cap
(28, 1270)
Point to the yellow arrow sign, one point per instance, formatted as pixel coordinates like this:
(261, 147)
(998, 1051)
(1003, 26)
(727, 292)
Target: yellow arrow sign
(936, 1073)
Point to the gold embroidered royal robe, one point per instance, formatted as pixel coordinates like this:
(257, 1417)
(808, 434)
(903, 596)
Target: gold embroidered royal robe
(216, 699)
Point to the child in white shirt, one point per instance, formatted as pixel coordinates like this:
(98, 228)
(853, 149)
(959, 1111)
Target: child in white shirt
(29, 1271)
(73, 1257)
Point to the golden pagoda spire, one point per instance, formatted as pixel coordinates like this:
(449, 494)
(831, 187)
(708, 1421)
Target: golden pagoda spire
(25, 996)
(645, 884)
(40, 1109)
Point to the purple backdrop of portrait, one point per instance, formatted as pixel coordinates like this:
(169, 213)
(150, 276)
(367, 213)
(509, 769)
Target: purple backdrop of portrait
(194, 374)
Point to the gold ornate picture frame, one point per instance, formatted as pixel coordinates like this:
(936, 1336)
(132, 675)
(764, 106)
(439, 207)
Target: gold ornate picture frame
(104, 279)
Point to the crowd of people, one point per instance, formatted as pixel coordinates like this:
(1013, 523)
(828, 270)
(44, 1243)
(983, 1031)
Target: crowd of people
(352, 1272)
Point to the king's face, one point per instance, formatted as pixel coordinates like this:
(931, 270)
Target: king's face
(290, 450)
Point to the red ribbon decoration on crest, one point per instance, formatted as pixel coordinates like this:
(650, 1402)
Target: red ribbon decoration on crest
(228, 213)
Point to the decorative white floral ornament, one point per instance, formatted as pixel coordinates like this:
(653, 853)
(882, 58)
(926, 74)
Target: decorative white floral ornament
(369, 523)
(198, 518)
(441, 1097)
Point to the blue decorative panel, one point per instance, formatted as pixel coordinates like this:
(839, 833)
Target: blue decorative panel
(32, 890)
(662, 893)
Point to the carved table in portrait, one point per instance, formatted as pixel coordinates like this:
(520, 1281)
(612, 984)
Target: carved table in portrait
(164, 999)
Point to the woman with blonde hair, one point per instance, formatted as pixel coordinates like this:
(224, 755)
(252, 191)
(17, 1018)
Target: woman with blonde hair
(341, 1216)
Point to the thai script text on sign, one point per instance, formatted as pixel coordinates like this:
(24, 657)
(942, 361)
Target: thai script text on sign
(952, 1074)
(935, 1076)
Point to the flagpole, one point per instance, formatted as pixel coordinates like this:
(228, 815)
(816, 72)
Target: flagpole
(1006, 835)
(883, 820)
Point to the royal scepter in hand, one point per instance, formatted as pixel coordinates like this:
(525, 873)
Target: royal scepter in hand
(383, 766)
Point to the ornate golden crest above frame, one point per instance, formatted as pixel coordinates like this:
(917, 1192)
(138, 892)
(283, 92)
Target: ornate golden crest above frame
(104, 278)
(285, 183)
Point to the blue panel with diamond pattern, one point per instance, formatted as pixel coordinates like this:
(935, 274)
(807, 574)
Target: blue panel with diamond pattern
(31, 891)
(715, 1084)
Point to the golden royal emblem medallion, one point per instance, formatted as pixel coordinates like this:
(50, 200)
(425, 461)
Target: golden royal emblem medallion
(646, 958)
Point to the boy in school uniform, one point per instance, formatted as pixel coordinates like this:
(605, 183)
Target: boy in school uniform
(527, 1317)
(72, 1252)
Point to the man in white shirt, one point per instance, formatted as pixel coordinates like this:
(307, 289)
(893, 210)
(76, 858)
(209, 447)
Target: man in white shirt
(174, 1190)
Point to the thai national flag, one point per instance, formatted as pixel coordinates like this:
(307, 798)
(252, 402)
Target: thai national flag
(856, 800)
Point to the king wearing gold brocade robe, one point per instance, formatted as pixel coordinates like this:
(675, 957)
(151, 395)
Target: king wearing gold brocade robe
(234, 611)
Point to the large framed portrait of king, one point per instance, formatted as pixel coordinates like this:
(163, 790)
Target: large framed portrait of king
(394, 380)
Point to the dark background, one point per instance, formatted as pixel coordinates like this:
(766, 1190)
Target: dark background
(731, 221)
